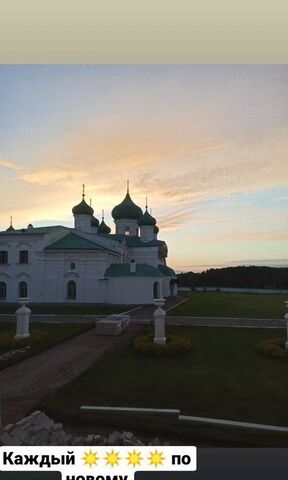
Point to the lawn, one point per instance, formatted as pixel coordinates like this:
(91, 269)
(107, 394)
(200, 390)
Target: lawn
(218, 304)
(43, 336)
(75, 309)
(221, 377)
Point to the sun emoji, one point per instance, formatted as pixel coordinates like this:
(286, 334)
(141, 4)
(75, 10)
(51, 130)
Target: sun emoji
(156, 458)
(134, 458)
(90, 458)
(112, 458)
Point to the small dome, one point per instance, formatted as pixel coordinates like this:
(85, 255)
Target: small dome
(94, 222)
(82, 209)
(127, 210)
(10, 229)
(103, 228)
(147, 219)
(156, 229)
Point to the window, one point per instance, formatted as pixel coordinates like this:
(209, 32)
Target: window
(3, 257)
(3, 290)
(72, 266)
(127, 231)
(156, 290)
(71, 290)
(23, 256)
(23, 290)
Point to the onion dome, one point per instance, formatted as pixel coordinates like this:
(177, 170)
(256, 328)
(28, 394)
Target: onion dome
(156, 229)
(82, 208)
(127, 209)
(147, 219)
(103, 228)
(94, 222)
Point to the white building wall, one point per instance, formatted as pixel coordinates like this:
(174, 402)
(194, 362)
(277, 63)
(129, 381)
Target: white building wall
(145, 255)
(88, 276)
(131, 290)
(14, 272)
(122, 224)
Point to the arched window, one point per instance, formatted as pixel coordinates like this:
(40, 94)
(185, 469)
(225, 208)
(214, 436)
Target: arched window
(23, 290)
(71, 290)
(127, 231)
(3, 290)
(156, 290)
(23, 256)
(72, 266)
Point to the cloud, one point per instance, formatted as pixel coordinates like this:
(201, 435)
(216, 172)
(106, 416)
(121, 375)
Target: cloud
(9, 165)
(237, 236)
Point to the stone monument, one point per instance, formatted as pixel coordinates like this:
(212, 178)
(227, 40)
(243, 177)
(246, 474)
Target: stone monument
(159, 321)
(23, 317)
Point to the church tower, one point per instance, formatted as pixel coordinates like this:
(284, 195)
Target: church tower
(126, 216)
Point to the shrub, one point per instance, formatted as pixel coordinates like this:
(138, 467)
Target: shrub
(8, 342)
(273, 348)
(174, 345)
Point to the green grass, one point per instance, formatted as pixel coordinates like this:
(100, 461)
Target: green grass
(208, 304)
(75, 309)
(222, 377)
(43, 336)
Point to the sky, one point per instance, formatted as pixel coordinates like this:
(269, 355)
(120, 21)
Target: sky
(206, 144)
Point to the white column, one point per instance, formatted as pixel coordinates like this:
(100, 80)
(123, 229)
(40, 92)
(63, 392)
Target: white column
(23, 317)
(159, 322)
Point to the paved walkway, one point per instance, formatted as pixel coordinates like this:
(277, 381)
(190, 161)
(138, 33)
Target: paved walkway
(24, 384)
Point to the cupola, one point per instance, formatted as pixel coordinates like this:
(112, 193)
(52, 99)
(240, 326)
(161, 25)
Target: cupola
(83, 214)
(147, 224)
(103, 228)
(126, 215)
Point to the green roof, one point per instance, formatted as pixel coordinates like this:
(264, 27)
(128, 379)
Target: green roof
(34, 230)
(127, 209)
(123, 270)
(133, 241)
(167, 271)
(71, 241)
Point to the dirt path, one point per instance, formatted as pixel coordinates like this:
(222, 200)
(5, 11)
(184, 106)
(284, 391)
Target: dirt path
(24, 384)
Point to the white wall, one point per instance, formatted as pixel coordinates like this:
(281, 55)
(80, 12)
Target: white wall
(122, 224)
(131, 290)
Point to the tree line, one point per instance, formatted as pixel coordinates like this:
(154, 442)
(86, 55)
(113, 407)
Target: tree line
(237, 277)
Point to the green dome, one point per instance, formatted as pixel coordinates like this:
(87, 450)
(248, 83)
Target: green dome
(94, 222)
(147, 219)
(156, 229)
(82, 209)
(127, 209)
(103, 228)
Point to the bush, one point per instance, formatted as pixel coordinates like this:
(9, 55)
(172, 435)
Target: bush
(273, 348)
(8, 342)
(174, 345)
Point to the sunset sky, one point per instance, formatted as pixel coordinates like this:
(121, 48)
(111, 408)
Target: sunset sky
(208, 145)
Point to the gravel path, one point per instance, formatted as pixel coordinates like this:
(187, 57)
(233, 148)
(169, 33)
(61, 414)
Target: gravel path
(24, 384)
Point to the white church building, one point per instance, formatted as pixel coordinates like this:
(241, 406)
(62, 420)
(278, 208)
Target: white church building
(87, 263)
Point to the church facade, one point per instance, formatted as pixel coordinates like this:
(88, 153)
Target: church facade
(87, 263)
